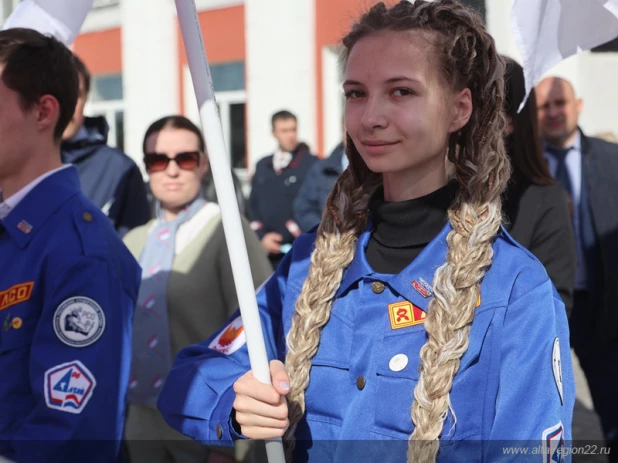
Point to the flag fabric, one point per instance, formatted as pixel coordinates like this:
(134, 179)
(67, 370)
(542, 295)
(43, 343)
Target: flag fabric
(62, 19)
(548, 31)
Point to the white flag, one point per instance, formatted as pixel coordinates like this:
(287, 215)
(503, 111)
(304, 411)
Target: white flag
(62, 19)
(548, 31)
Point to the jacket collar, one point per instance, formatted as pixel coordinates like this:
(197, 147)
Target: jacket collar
(333, 162)
(421, 269)
(81, 146)
(40, 204)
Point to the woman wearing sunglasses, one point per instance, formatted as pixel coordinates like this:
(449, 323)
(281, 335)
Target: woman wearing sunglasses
(187, 288)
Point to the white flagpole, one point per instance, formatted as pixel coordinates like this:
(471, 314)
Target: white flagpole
(232, 225)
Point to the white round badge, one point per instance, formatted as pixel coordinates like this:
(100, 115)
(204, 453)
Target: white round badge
(398, 362)
(79, 322)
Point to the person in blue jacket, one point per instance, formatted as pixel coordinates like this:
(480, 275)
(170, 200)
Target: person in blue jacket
(108, 177)
(409, 324)
(311, 199)
(67, 283)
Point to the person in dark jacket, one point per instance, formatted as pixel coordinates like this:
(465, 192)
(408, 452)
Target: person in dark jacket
(311, 200)
(108, 177)
(536, 207)
(587, 167)
(275, 184)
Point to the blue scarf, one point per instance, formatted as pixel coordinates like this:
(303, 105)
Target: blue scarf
(152, 356)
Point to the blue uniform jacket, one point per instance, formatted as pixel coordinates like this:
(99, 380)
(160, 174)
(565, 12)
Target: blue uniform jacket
(514, 389)
(108, 177)
(67, 296)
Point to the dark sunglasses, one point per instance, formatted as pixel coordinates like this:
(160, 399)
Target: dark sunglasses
(157, 162)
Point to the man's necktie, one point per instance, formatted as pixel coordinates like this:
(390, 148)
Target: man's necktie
(562, 171)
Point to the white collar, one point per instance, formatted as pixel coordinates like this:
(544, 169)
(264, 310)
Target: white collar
(11, 202)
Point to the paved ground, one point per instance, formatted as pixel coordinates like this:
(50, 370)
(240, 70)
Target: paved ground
(586, 425)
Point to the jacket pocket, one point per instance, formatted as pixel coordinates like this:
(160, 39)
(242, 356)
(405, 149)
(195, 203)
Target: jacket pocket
(330, 371)
(15, 333)
(396, 382)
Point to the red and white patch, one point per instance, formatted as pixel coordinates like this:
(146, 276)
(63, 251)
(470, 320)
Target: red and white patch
(553, 444)
(68, 387)
(231, 338)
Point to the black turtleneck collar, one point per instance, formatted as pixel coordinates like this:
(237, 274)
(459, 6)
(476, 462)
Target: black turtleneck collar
(401, 230)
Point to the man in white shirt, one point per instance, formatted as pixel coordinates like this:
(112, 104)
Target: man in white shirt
(275, 185)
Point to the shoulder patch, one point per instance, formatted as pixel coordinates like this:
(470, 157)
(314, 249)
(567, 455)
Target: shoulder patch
(79, 322)
(231, 338)
(557, 367)
(68, 387)
(553, 444)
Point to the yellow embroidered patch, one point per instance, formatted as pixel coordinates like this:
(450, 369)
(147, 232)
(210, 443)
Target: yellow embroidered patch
(404, 314)
(15, 295)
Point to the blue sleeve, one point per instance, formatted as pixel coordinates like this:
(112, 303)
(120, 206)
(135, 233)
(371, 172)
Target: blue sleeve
(307, 207)
(79, 374)
(536, 395)
(198, 394)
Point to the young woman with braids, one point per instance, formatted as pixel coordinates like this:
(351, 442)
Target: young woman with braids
(409, 322)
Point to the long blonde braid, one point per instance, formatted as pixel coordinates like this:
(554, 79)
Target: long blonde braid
(344, 219)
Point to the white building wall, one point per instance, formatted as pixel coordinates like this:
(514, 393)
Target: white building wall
(332, 99)
(280, 69)
(592, 74)
(149, 67)
(102, 19)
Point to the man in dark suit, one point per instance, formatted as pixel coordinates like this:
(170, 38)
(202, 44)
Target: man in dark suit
(274, 187)
(587, 168)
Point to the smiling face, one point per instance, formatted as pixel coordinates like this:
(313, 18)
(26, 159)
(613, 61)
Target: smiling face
(399, 112)
(173, 186)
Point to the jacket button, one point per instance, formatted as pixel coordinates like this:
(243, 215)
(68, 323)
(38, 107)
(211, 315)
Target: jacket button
(219, 431)
(360, 383)
(87, 216)
(377, 287)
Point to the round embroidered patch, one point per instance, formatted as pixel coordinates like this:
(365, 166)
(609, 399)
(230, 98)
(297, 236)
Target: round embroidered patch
(79, 322)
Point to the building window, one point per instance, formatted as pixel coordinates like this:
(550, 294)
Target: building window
(228, 77)
(106, 87)
(238, 140)
(107, 99)
(229, 83)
